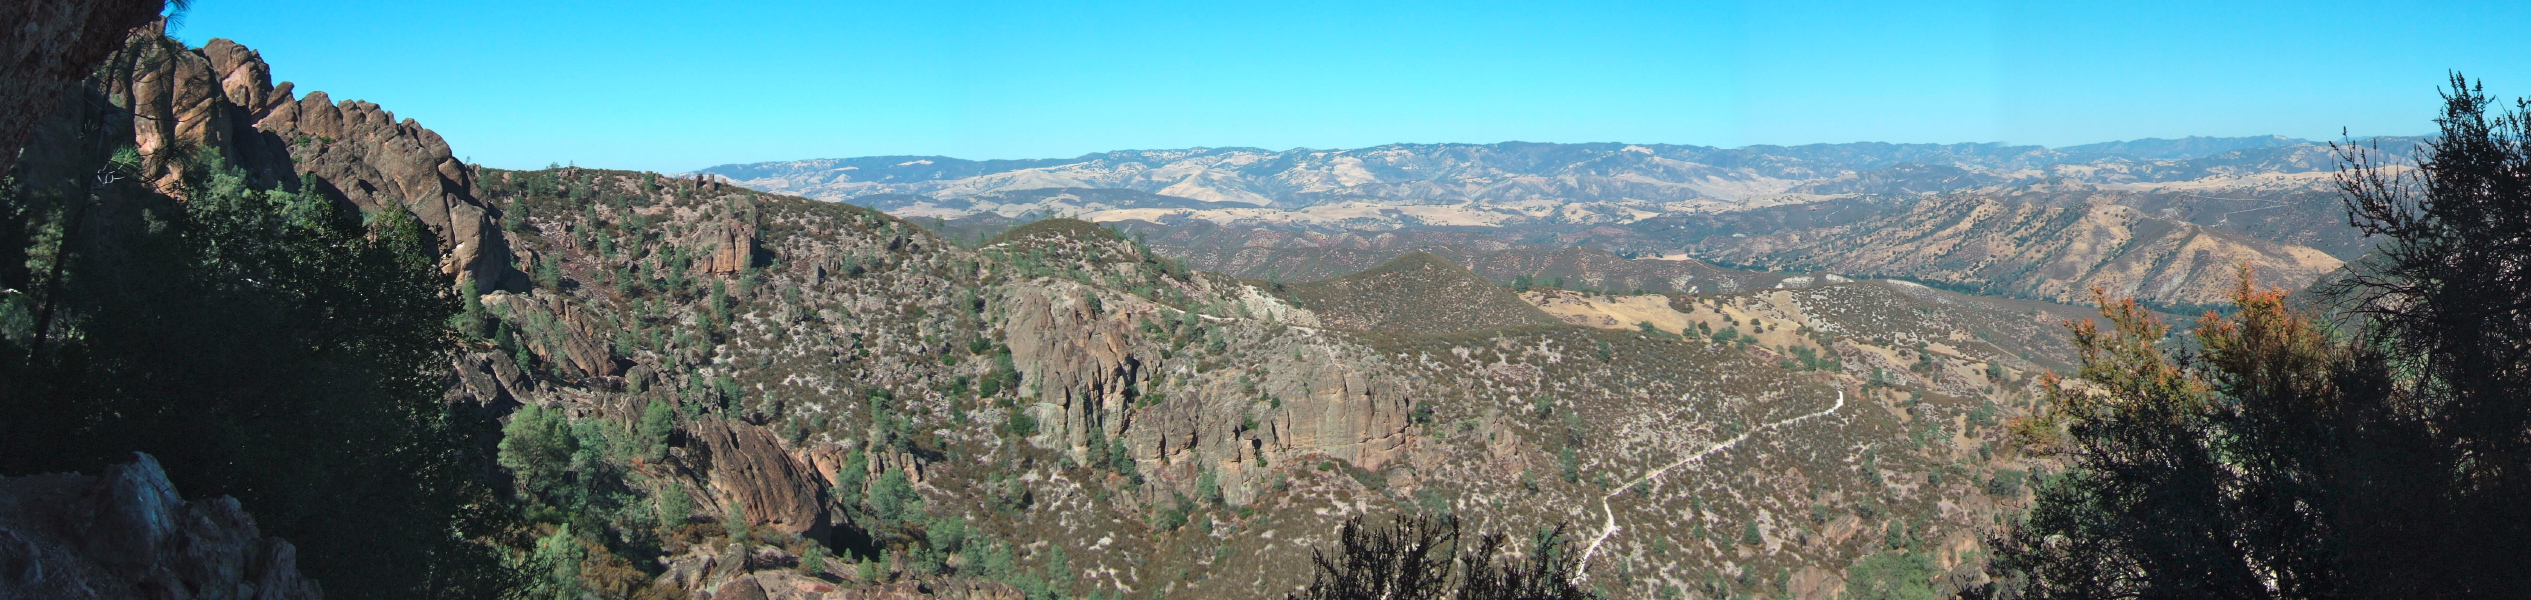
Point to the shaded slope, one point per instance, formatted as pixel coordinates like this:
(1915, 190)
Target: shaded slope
(1415, 293)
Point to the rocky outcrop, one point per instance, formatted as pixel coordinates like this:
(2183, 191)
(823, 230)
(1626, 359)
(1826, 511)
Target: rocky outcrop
(732, 247)
(220, 99)
(49, 44)
(368, 157)
(561, 331)
(486, 379)
(1089, 369)
(1332, 401)
(750, 470)
(126, 534)
(1078, 359)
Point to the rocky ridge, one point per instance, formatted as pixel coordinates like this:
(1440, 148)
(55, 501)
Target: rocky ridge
(218, 102)
(1283, 255)
(1413, 293)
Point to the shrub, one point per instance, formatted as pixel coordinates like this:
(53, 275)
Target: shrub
(659, 420)
(1208, 487)
(553, 568)
(1020, 424)
(2006, 483)
(893, 498)
(1892, 575)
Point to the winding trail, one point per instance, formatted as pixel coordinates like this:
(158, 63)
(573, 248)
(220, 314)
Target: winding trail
(1610, 527)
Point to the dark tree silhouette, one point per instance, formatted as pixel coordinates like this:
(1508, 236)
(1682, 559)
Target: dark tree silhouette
(1420, 557)
(2290, 460)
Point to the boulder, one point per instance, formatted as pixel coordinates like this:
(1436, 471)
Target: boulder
(749, 469)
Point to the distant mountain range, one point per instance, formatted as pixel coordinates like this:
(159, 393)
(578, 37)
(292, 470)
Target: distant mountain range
(2163, 219)
(1404, 185)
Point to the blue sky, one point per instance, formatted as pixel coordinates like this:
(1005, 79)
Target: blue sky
(674, 87)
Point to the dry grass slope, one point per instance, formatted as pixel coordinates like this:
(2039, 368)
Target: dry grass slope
(2056, 253)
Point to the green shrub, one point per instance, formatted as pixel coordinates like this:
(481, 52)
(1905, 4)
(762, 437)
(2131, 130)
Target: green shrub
(893, 498)
(2006, 483)
(674, 506)
(1208, 487)
(1892, 575)
(813, 561)
(1020, 424)
(659, 420)
(1572, 465)
(553, 567)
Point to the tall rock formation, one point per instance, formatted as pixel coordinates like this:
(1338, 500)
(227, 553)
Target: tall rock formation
(219, 100)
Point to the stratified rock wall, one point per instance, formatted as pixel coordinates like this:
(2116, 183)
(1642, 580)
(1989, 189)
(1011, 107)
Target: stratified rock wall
(126, 534)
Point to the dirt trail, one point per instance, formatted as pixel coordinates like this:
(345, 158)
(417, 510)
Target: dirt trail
(1610, 527)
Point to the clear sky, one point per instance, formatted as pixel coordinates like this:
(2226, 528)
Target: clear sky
(675, 87)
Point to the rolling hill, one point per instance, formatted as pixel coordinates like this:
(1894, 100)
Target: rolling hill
(2049, 252)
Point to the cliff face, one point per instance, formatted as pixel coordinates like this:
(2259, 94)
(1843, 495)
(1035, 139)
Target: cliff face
(219, 100)
(125, 533)
(50, 44)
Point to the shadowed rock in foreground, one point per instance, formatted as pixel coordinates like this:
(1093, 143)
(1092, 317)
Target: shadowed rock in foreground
(126, 534)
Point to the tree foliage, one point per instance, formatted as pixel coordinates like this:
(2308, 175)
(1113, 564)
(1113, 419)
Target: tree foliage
(2289, 460)
(263, 343)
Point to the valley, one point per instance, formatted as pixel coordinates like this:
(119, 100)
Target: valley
(1764, 371)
